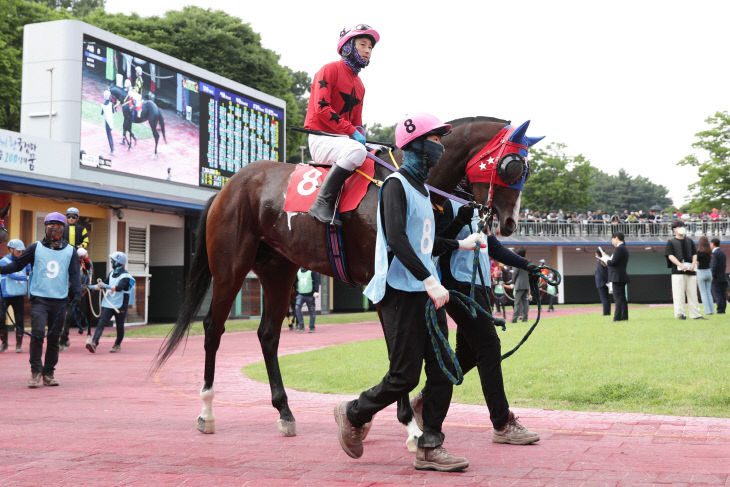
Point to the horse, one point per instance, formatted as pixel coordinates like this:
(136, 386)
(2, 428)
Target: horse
(150, 113)
(244, 227)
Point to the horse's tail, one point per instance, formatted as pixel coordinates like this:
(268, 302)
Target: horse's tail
(162, 126)
(198, 281)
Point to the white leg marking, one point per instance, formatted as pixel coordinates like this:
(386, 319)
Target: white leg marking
(413, 433)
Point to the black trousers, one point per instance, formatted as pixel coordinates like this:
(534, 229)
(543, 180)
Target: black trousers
(404, 324)
(619, 297)
(45, 313)
(105, 319)
(478, 345)
(719, 294)
(18, 305)
(605, 299)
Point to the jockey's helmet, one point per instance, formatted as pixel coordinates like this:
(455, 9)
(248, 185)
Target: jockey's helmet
(118, 258)
(359, 30)
(417, 125)
(16, 244)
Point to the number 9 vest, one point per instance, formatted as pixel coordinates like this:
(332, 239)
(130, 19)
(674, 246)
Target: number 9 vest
(50, 272)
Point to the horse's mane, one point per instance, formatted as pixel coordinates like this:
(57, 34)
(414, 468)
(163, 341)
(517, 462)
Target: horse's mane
(462, 121)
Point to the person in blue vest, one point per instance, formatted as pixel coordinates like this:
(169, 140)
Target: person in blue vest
(118, 296)
(54, 280)
(307, 291)
(404, 280)
(477, 342)
(13, 288)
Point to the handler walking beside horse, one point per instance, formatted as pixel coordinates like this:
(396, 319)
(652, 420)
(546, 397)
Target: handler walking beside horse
(55, 267)
(119, 285)
(404, 280)
(335, 106)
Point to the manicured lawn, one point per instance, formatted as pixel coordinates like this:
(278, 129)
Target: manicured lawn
(652, 363)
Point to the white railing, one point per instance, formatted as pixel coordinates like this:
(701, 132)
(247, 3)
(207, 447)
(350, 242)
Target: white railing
(586, 228)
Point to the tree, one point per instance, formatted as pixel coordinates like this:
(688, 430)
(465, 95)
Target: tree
(380, 133)
(712, 190)
(15, 14)
(616, 193)
(557, 180)
(79, 8)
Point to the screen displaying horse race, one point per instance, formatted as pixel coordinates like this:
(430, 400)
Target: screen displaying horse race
(144, 118)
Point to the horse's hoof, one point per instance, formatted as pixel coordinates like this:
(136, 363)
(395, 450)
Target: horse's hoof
(287, 428)
(412, 444)
(206, 426)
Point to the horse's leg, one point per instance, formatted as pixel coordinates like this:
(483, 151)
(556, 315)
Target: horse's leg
(276, 275)
(156, 135)
(228, 275)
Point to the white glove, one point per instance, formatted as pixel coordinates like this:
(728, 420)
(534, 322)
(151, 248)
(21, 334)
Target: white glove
(436, 291)
(316, 295)
(470, 242)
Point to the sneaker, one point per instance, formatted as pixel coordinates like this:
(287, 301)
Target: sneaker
(311, 330)
(417, 407)
(61, 348)
(366, 429)
(35, 380)
(90, 346)
(438, 459)
(681, 317)
(514, 433)
(115, 349)
(3, 346)
(49, 380)
(350, 436)
(18, 349)
(68, 343)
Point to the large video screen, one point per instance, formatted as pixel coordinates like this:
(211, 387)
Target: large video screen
(143, 118)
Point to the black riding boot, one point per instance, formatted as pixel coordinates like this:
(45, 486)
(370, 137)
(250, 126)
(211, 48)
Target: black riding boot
(323, 208)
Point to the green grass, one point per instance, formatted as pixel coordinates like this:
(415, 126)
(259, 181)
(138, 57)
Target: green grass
(91, 112)
(652, 364)
(160, 331)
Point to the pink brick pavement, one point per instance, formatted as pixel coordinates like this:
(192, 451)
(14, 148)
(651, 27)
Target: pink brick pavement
(110, 424)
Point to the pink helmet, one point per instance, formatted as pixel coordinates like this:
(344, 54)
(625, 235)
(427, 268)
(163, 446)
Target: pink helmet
(357, 31)
(416, 125)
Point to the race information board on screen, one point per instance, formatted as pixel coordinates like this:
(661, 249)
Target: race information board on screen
(144, 118)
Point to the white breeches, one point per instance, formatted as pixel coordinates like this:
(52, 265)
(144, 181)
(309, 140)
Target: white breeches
(343, 151)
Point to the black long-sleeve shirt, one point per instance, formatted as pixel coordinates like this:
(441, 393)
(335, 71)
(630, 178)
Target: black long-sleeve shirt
(28, 257)
(393, 209)
(122, 285)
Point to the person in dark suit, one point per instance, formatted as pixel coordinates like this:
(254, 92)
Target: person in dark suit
(718, 264)
(617, 276)
(602, 284)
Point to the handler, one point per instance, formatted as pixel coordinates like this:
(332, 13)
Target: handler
(405, 278)
(13, 288)
(55, 278)
(477, 342)
(335, 106)
(120, 295)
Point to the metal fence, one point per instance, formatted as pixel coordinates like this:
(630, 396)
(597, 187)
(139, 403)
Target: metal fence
(590, 228)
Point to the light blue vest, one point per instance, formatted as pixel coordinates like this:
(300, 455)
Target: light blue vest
(13, 287)
(421, 231)
(116, 298)
(462, 261)
(50, 272)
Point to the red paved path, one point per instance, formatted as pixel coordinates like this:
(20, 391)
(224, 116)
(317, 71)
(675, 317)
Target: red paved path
(108, 424)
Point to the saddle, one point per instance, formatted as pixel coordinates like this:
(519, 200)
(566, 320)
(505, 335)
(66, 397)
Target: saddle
(305, 181)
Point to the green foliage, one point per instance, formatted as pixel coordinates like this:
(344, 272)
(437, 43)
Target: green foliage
(380, 133)
(616, 193)
(652, 364)
(79, 8)
(557, 180)
(15, 14)
(713, 187)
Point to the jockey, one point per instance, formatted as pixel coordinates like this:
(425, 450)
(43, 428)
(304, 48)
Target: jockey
(135, 99)
(138, 81)
(55, 271)
(335, 106)
(75, 233)
(119, 286)
(13, 288)
(405, 279)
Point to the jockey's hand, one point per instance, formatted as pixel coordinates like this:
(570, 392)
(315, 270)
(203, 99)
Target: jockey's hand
(358, 136)
(470, 242)
(436, 291)
(533, 269)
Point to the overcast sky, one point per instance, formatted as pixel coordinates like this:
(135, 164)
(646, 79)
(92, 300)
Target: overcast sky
(625, 83)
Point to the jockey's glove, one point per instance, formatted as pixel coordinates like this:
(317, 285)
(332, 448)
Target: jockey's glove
(436, 291)
(358, 137)
(533, 269)
(470, 242)
(465, 214)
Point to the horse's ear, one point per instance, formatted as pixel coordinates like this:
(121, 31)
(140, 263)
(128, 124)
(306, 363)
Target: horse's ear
(519, 133)
(530, 141)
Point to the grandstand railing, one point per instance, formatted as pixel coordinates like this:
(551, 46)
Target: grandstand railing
(591, 228)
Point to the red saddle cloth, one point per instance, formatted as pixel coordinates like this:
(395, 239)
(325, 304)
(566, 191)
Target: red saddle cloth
(305, 181)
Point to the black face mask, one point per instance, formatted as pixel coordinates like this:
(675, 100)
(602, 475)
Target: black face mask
(432, 152)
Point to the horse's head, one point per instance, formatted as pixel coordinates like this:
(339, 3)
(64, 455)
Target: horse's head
(493, 156)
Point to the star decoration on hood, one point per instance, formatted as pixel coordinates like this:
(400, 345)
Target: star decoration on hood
(483, 166)
(350, 100)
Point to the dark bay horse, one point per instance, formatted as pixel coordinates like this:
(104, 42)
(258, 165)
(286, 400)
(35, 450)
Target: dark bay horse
(150, 113)
(244, 227)
(4, 236)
